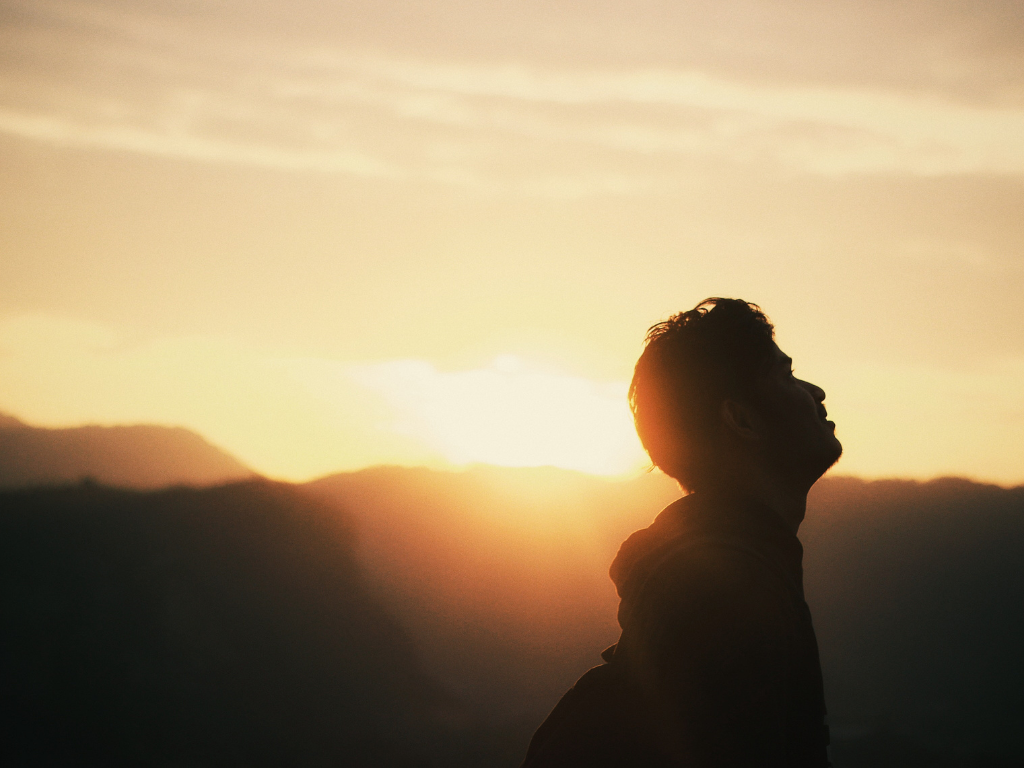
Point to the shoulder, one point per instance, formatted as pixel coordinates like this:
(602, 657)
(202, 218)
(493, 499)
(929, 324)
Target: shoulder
(715, 583)
(713, 564)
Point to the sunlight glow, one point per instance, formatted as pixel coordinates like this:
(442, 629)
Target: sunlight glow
(511, 414)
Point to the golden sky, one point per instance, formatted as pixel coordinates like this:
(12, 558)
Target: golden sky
(327, 235)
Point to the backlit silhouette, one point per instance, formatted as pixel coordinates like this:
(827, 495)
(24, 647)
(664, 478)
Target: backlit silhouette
(717, 663)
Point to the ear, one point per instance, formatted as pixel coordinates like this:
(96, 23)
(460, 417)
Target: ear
(741, 420)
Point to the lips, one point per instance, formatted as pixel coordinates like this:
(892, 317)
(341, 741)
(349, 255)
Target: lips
(824, 414)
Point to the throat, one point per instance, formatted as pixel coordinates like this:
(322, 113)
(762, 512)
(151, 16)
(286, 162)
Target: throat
(788, 504)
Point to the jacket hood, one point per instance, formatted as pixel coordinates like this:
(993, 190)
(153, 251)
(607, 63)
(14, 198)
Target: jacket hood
(639, 553)
(691, 515)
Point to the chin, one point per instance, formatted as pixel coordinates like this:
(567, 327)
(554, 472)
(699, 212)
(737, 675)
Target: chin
(837, 451)
(827, 457)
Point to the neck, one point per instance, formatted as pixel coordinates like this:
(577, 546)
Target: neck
(786, 500)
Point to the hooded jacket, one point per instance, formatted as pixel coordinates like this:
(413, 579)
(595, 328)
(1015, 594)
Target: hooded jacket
(717, 664)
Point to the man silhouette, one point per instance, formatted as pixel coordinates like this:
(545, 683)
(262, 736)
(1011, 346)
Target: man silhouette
(717, 663)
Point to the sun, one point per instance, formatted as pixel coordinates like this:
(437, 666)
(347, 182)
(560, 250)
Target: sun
(510, 413)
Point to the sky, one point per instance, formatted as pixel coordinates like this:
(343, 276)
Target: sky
(331, 235)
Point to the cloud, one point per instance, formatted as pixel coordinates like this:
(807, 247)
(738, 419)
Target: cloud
(190, 146)
(814, 129)
(140, 82)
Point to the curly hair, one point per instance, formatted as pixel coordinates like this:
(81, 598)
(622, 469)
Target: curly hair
(690, 364)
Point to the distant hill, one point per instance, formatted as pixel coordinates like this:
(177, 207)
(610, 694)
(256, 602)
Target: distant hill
(916, 588)
(917, 591)
(139, 456)
(406, 617)
(227, 626)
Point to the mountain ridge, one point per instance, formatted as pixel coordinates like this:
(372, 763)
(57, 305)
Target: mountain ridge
(141, 456)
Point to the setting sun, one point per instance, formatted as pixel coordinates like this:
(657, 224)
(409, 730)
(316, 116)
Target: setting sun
(510, 414)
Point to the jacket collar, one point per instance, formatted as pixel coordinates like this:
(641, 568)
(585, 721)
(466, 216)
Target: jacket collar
(707, 516)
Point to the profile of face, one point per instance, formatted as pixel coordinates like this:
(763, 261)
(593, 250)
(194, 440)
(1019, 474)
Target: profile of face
(799, 440)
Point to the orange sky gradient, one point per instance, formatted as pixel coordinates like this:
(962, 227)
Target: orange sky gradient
(331, 235)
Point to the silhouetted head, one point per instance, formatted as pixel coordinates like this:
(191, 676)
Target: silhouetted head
(712, 391)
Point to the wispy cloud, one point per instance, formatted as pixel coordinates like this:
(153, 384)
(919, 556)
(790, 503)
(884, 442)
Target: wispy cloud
(189, 146)
(137, 83)
(814, 129)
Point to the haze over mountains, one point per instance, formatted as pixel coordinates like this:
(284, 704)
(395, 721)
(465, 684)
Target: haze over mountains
(501, 577)
(400, 616)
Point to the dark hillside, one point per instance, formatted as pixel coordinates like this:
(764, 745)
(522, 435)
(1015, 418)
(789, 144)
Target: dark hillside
(226, 626)
(917, 591)
(918, 596)
(266, 624)
(137, 456)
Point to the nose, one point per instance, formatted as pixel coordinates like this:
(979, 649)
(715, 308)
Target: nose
(816, 392)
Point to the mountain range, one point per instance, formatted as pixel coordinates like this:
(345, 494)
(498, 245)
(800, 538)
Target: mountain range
(404, 616)
(916, 588)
